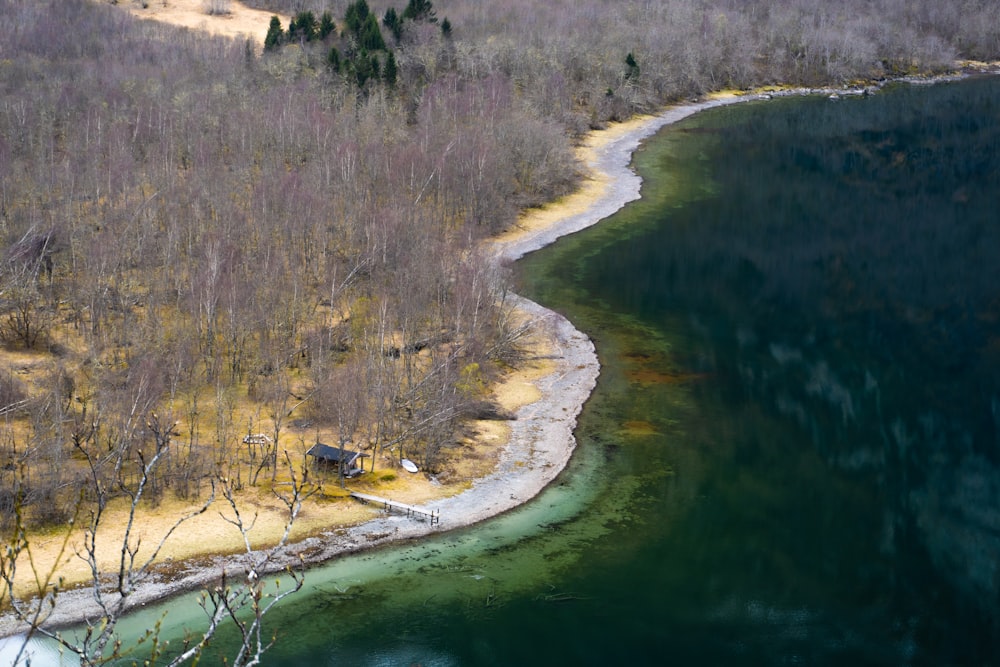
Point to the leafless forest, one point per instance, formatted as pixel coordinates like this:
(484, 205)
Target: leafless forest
(202, 240)
(232, 240)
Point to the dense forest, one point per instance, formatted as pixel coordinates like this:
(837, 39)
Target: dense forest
(190, 224)
(204, 238)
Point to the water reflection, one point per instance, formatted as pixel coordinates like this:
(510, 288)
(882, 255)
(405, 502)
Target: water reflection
(841, 291)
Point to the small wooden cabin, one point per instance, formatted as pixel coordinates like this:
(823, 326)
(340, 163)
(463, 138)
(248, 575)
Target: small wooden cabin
(348, 465)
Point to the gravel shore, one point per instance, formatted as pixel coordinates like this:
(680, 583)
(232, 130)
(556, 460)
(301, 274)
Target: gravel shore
(541, 440)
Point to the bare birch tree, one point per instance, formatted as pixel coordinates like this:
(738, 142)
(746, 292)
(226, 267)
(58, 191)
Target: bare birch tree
(241, 597)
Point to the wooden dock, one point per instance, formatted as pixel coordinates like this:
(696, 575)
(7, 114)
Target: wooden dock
(389, 505)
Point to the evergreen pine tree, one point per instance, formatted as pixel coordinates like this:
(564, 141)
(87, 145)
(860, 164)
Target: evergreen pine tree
(370, 37)
(633, 66)
(356, 16)
(362, 68)
(275, 35)
(446, 27)
(393, 23)
(333, 60)
(390, 71)
(326, 25)
(420, 10)
(303, 27)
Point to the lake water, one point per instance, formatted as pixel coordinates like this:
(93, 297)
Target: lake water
(792, 454)
(800, 328)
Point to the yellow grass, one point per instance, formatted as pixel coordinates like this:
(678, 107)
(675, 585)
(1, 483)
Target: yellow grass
(591, 189)
(209, 533)
(240, 23)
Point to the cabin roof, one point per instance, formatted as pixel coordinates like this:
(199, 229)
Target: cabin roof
(332, 454)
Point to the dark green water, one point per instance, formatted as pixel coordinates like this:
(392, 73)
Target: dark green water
(805, 309)
(792, 454)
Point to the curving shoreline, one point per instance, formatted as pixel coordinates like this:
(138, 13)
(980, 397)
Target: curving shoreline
(541, 440)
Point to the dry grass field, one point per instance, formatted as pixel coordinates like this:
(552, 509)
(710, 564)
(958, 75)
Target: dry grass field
(239, 21)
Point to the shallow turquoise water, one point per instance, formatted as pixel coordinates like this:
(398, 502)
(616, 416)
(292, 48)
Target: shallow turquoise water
(791, 456)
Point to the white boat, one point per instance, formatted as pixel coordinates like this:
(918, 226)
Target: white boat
(408, 465)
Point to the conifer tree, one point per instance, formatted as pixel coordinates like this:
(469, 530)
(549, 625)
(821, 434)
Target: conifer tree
(275, 35)
(370, 37)
(393, 23)
(446, 27)
(326, 26)
(303, 27)
(362, 68)
(333, 60)
(356, 16)
(390, 71)
(420, 10)
(633, 66)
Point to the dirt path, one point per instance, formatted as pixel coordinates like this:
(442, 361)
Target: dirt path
(241, 22)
